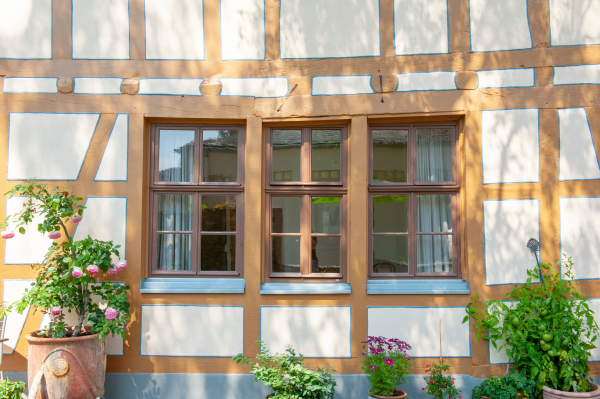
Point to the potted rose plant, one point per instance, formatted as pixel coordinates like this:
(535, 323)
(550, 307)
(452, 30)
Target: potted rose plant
(439, 385)
(386, 362)
(67, 280)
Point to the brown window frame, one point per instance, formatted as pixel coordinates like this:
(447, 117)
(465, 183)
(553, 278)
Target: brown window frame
(411, 188)
(306, 189)
(197, 188)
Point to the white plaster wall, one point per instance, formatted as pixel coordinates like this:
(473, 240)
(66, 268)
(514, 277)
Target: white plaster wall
(420, 328)
(329, 29)
(426, 81)
(508, 225)
(13, 290)
(420, 26)
(97, 85)
(170, 87)
(192, 331)
(27, 248)
(314, 331)
(340, 85)
(48, 146)
(30, 85)
(254, 87)
(113, 166)
(577, 75)
(496, 356)
(521, 77)
(26, 29)
(578, 159)
(510, 146)
(174, 29)
(243, 30)
(580, 235)
(595, 306)
(574, 22)
(105, 219)
(100, 29)
(499, 25)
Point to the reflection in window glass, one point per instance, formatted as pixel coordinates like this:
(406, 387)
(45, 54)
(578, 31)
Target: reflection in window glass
(219, 155)
(326, 160)
(286, 155)
(285, 214)
(434, 253)
(434, 155)
(176, 156)
(325, 254)
(217, 253)
(175, 212)
(218, 212)
(434, 213)
(174, 252)
(390, 156)
(390, 214)
(390, 254)
(285, 255)
(326, 215)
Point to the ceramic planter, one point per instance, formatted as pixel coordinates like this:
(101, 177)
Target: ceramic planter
(69, 368)
(549, 393)
(400, 394)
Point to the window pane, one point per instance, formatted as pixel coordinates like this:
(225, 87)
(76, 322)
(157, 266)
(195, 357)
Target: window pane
(434, 213)
(325, 255)
(176, 156)
(175, 212)
(390, 254)
(217, 253)
(390, 214)
(174, 252)
(285, 256)
(219, 155)
(286, 155)
(286, 214)
(434, 254)
(218, 212)
(390, 156)
(326, 146)
(434, 155)
(326, 215)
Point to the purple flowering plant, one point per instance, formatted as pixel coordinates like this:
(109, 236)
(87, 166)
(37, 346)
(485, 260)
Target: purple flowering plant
(70, 278)
(386, 362)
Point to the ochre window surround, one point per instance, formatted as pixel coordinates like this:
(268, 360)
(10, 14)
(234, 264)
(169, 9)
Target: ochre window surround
(306, 206)
(414, 188)
(196, 200)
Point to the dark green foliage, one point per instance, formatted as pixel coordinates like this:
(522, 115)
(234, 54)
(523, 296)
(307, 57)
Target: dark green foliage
(509, 386)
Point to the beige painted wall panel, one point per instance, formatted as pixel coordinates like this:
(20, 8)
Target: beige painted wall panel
(26, 29)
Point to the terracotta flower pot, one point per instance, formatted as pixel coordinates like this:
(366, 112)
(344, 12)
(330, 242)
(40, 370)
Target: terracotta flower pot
(69, 368)
(549, 393)
(400, 394)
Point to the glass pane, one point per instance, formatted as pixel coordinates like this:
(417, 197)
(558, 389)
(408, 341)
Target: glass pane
(390, 214)
(217, 253)
(285, 256)
(326, 215)
(219, 155)
(176, 156)
(174, 252)
(175, 212)
(286, 155)
(285, 214)
(434, 155)
(434, 213)
(390, 254)
(434, 254)
(326, 147)
(218, 212)
(390, 156)
(325, 255)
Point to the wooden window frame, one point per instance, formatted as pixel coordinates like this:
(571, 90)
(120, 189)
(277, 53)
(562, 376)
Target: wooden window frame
(306, 189)
(411, 188)
(197, 188)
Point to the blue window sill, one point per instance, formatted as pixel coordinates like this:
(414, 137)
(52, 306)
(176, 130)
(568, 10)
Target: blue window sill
(304, 288)
(192, 286)
(416, 287)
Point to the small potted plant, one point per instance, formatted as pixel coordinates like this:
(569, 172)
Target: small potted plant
(11, 389)
(287, 375)
(509, 386)
(386, 363)
(440, 386)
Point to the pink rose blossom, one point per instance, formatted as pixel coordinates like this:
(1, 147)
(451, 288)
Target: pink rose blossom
(121, 266)
(111, 314)
(56, 311)
(54, 235)
(7, 234)
(92, 270)
(76, 218)
(112, 271)
(77, 272)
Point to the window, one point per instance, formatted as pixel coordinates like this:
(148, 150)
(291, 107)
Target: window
(306, 195)
(413, 201)
(196, 200)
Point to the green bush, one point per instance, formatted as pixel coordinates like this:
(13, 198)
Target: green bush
(11, 389)
(509, 386)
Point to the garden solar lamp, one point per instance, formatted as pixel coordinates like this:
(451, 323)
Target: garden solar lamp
(534, 246)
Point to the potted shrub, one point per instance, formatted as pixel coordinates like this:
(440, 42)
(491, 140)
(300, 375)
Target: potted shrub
(386, 363)
(287, 375)
(11, 389)
(548, 331)
(440, 386)
(509, 386)
(66, 281)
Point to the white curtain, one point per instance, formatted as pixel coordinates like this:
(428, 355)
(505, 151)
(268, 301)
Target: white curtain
(434, 215)
(434, 155)
(175, 213)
